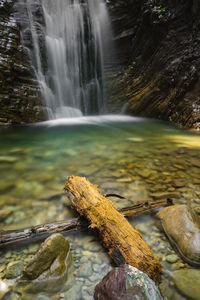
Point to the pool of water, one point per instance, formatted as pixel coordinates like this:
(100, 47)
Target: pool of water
(134, 157)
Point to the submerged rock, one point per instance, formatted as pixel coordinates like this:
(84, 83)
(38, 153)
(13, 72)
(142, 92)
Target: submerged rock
(14, 269)
(178, 183)
(182, 226)
(188, 282)
(47, 270)
(8, 159)
(4, 289)
(4, 213)
(172, 258)
(165, 195)
(126, 283)
(6, 186)
(195, 162)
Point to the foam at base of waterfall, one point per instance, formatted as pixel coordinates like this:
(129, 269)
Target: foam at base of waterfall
(92, 120)
(67, 112)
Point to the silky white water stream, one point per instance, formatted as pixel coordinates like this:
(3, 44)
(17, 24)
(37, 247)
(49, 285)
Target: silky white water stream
(68, 43)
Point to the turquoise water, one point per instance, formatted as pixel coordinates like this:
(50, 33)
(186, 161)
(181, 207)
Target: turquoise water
(136, 158)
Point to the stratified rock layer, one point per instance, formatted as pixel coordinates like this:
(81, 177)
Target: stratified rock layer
(158, 45)
(19, 93)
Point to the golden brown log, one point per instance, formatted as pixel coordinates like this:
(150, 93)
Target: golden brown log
(124, 243)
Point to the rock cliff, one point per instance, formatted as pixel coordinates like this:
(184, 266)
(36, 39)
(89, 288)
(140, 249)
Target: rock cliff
(159, 41)
(19, 97)
(156, 72)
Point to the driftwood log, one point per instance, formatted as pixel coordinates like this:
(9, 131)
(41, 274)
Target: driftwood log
(40, 232)
(123, 242)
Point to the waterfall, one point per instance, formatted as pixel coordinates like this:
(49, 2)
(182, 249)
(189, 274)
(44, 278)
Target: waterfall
(66, 41)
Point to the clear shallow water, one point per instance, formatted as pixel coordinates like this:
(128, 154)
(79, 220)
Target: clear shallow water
(134, 157)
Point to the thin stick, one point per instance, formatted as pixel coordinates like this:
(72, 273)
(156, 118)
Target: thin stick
(39, 232)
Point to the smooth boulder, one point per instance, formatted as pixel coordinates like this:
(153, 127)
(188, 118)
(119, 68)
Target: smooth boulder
(4, 289)
(188, 282)
(47, 270)
(126, 283)
(182, 227)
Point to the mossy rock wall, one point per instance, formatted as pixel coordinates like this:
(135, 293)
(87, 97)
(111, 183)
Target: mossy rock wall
(158, 45)
(19, 92)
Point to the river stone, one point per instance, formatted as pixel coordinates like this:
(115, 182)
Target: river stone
(188, 282)
(43, 297)
(4, 213)
(6, 186)
(145, 174)
(195, 162)
(165, 195)
(14, 269)
(2, 268)
(178, 183)
(126, 283)
(172, 258)
(4, 289)
(85, 269)
(182, 226)
(47, 269)
(165, 288)
(8, 159)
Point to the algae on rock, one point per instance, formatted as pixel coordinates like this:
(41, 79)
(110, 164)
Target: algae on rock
(47, 270)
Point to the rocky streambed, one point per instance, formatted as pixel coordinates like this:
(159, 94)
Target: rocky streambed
(138, 159)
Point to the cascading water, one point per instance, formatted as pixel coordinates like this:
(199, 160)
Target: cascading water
(68, 42)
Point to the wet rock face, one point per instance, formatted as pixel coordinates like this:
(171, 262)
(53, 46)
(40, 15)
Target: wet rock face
(19, 94)
(126, 283)
(182, 226)
(160, 44)
(48, 268)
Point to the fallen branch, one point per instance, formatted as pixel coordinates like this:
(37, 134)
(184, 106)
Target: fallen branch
(31, 234)
(143, 207)
(40, 232)
(123, 242)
